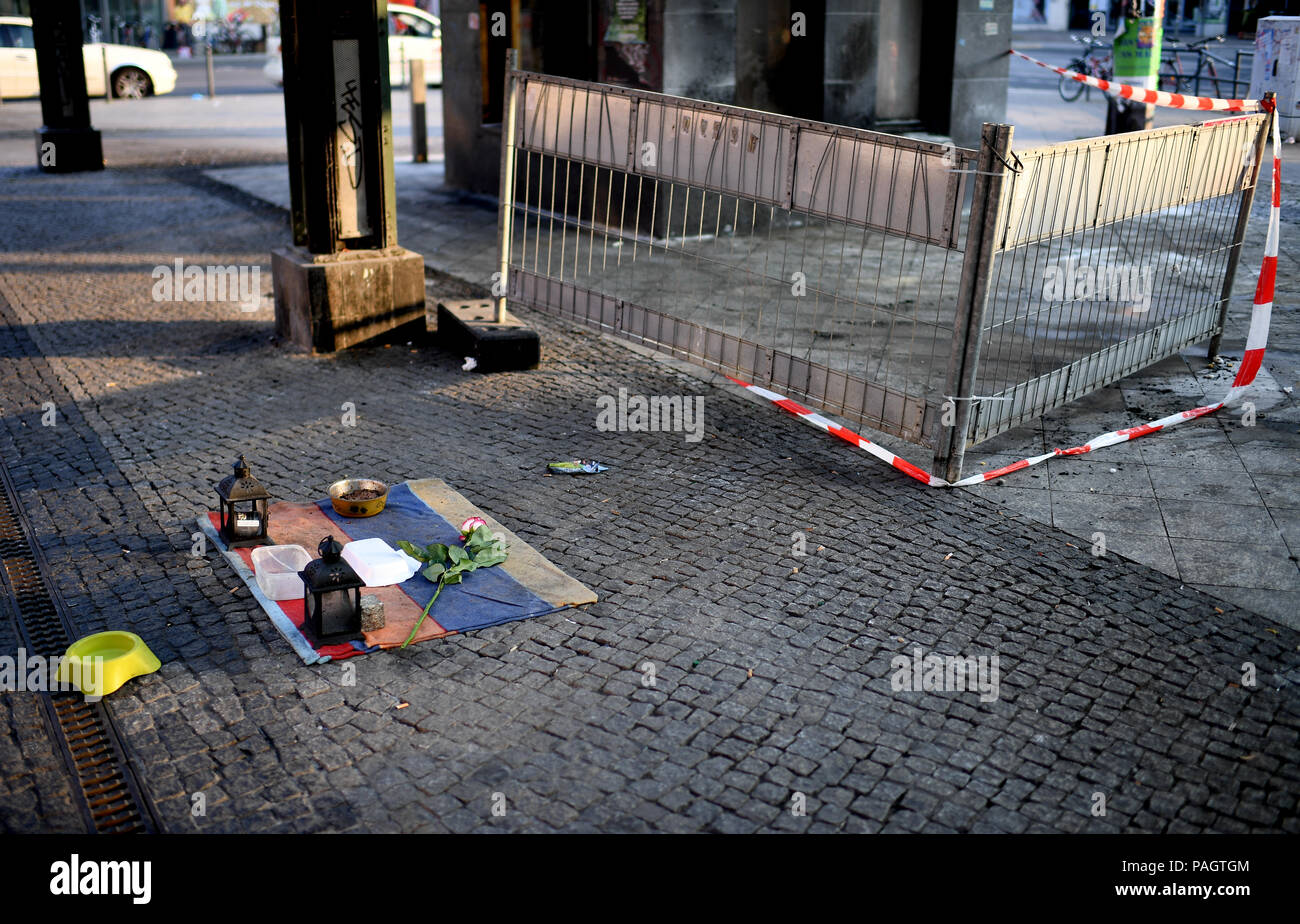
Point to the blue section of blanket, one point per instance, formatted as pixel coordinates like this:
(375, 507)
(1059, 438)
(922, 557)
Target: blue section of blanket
(484, 598)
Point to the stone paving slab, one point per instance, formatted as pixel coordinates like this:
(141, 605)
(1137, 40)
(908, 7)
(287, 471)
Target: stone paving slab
(772, 672)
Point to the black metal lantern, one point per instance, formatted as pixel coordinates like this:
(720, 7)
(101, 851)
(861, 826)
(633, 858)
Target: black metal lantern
(332, 596)
(243, 504)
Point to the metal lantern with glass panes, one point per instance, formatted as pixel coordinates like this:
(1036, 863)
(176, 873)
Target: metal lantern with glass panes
(243, 505)
(332, 596)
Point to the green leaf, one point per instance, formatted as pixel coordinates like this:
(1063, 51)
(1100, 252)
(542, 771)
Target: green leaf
(452, 577)
(436, 552)
(413, 550)
(434, 571)
(457, 554)
(489, 557)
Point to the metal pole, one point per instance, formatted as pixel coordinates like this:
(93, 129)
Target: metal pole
(212, 82)
(419, 130)
(973, 296)
(1149, 110)
(103, 52)
(1243, 219)
(507, 179)
(65, 142)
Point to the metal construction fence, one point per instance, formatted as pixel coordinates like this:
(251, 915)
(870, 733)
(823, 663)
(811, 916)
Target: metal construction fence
(937, 293)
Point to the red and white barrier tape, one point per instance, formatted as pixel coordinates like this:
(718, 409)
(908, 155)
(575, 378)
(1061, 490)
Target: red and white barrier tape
(1143, 95)
(1252, 359)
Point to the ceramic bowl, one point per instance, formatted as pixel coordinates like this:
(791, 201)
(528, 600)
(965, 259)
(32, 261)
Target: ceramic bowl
(356, 508)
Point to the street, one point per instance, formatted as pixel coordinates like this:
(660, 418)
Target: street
(243, 124)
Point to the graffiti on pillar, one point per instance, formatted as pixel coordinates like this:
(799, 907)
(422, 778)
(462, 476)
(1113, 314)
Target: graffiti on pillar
(62, 42)
(350, 132)
(349, 141)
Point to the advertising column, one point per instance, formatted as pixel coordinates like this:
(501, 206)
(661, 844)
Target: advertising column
(1137, 62)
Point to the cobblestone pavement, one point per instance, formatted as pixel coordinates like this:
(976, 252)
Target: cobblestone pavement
(773, 673)
(1148, 502)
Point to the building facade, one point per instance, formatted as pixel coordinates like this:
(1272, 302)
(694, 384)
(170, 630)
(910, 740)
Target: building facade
(935, 66)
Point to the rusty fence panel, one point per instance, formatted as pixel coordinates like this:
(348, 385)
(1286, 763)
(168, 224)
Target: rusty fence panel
(923, 290)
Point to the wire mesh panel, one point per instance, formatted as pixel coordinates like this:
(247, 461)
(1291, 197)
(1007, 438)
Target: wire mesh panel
(1113, 253)
(885, 279)
(819, 260)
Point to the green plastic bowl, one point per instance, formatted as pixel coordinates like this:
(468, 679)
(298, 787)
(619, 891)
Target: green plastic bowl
(120, 656)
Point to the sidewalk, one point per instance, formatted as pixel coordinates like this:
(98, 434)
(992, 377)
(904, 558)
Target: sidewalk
(1213, 503)
(772, 672)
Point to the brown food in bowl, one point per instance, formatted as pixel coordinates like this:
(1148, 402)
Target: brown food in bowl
(361, 494)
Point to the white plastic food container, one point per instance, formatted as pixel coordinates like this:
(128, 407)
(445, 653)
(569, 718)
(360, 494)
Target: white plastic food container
(276, 568)
(378, 563)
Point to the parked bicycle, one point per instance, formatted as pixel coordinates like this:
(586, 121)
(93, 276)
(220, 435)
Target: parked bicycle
(1175, 78)
(1095, 61)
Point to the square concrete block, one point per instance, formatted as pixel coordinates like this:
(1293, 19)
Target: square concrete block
(469, 329)
(328, 302)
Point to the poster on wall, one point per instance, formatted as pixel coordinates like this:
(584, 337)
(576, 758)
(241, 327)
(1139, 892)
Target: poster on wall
(1137, 51)
(631, 36)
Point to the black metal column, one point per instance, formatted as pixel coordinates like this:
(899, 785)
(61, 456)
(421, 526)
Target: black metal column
(339, 124)
(346, 280)
(65, 143)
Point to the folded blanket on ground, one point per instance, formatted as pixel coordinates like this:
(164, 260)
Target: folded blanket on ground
(422, 511)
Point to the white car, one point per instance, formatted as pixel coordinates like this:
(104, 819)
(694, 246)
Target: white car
(412, 34)
(132, 72)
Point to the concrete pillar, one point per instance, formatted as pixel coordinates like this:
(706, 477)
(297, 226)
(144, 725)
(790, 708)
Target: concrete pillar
(898, 63)
(902, 65)
(700, 49)
(65, 143)
(849, 86)
(980, 67)
(345, 280)
(470, 146)
(779, 56)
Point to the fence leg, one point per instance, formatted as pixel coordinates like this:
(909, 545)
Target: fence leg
(972, 297)
(419, 128)
(1243, 219)
(212, 81)
(505, 222)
